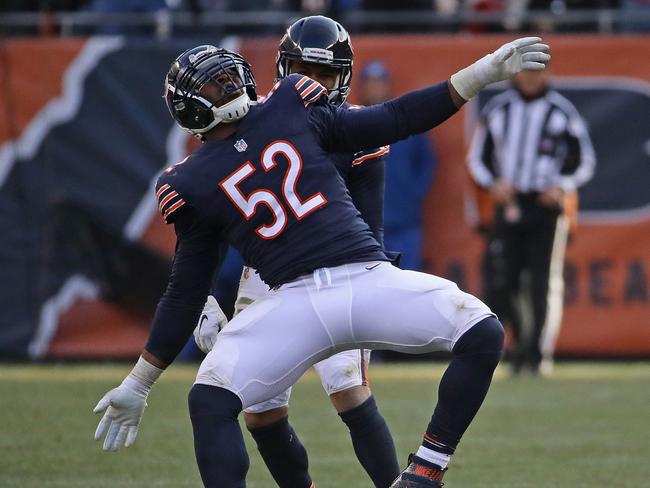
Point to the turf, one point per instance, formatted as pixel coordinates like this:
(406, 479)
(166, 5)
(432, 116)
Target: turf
(587, 426)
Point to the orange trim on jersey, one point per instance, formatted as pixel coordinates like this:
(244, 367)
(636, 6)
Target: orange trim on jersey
(429, 438)
(268, 95)
(166, 200)
(302, 81)
(173, 208)
(316, 97)
(380, 152)
(307, 91)
(162, 190)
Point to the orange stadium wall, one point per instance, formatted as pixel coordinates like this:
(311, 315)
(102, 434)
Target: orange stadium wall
(607, 309)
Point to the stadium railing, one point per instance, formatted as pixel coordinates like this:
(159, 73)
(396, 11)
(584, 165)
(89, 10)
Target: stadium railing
(167, 23)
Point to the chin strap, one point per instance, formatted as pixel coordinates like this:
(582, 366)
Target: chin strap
(230, 112)
(233, 110)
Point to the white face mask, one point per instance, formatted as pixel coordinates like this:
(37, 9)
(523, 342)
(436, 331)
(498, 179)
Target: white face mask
(229, 112)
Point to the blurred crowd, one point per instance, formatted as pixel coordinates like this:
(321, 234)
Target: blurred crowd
(270, 16)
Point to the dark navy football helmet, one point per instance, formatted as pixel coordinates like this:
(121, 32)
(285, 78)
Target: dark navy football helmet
(318, 40)
(207, 85)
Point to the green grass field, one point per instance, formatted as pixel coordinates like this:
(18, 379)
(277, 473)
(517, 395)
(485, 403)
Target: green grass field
(587, 426)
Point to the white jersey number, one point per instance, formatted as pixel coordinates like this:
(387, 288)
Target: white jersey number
(248, 205)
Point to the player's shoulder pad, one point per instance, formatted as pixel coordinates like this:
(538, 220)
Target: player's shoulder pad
(309, 90)
(168, 193)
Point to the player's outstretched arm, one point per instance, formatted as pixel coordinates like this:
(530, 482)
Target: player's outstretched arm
(527, 53)
(424, 109)
(198, 253)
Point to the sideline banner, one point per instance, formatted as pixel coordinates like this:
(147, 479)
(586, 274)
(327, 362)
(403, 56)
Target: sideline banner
(84, 132)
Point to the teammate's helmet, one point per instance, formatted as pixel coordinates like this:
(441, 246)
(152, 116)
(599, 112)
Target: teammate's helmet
(207, 85)
(319, 40)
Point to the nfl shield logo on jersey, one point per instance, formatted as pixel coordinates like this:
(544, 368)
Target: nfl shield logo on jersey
(241, 145)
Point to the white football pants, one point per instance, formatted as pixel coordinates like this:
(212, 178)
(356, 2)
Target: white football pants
(337, 373)
(374, 305)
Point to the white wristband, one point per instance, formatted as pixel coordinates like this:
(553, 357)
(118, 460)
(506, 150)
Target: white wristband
(471, 80)
(142, 376)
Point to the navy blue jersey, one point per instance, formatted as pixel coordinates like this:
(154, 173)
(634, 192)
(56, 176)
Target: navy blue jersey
(273, 191)
(258, 189)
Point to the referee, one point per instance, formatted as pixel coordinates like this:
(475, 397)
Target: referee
(531, 151)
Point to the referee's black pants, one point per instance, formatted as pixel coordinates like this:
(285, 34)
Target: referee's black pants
(523, 277)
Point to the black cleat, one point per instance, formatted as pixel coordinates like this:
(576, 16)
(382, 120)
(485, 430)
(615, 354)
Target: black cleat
(419, 474)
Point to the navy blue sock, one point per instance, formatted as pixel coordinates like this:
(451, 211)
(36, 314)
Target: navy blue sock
(465, 384)
(372, 442)
(283, 453)
(218, 441)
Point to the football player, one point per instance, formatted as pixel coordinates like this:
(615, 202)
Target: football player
(320, 48)
(264, 181)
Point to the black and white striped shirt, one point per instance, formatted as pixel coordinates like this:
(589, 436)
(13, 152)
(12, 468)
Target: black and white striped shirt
(533, 144)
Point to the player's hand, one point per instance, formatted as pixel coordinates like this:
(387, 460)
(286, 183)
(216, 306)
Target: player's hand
(210, 324)
(526, 53)
(123, 406)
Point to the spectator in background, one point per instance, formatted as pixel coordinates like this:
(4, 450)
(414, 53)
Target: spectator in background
(47, 25)
(400, 7)
(329, 8)
(126, 7)
(557, 9)
(409, 172)
(637, 14)
(495, 7)
(531, 151)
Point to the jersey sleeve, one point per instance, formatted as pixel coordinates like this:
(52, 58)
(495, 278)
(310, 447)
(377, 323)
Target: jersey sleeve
(308, 91)
(351, 130)
(170, 201)
(372, 155)
(199, 252)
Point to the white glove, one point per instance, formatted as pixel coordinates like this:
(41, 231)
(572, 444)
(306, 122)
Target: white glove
(210, 324)
(527, 53)
(124, 406)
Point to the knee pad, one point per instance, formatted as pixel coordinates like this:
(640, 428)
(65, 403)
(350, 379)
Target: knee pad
(484, 338)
